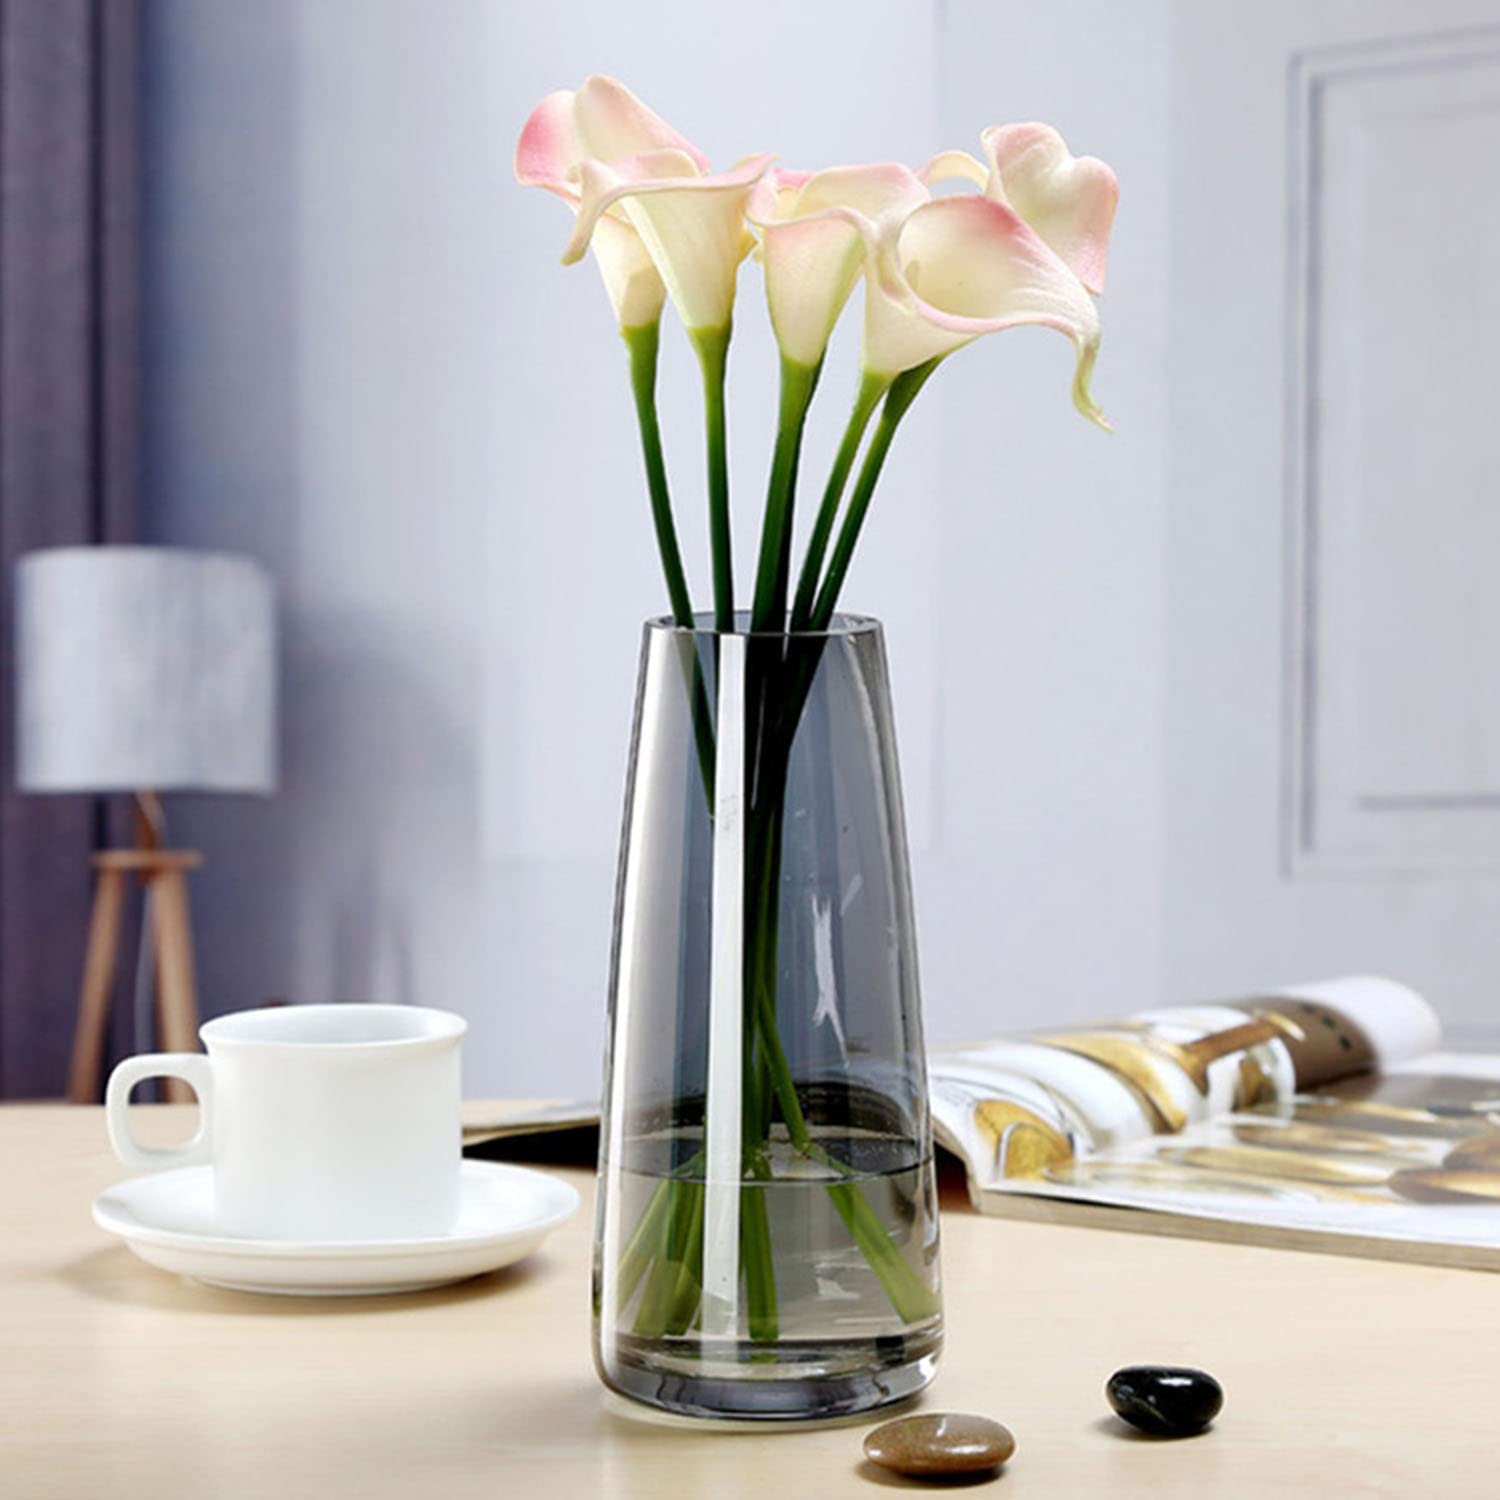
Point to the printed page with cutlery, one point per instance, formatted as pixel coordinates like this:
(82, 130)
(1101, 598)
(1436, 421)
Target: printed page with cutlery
(1321, 1116)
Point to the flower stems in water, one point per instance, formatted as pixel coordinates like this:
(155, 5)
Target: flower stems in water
(911, 1298)
(675, 1281)
(645, 1243)
(756, 1256)
(666, 1248)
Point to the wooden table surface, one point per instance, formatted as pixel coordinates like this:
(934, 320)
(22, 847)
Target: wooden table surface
(1344, 1378)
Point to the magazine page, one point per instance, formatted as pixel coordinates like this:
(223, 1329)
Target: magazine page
(1027, 1109)
(1408, 1155)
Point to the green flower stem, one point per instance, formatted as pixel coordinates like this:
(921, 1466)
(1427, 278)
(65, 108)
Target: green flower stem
(912, 1298)
(643, 343)
(674, 1284)
(866, 399)
(798, 382)
(668, 1241)
(647, 1240)
(662, 1224)
(762, 910)
(813, 610)
(909, 1295)
(687, 1289)
(651, 1313)
(902, 393)
(644, 1243)
(756, 1256)
(712, 345)
(760, 986)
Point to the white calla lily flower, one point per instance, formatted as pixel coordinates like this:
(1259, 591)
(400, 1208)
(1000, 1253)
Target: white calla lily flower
(644, 199)
(961, 267)
(816, 229)
(1069, 200)
(692, 224)
(549, 155)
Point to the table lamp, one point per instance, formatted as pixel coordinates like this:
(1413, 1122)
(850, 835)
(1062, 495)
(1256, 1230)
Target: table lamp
(142, 670)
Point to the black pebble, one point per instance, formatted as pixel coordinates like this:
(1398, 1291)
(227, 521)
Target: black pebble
(1163, 1400)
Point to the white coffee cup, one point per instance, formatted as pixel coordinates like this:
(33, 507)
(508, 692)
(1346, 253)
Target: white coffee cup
(321, 1122)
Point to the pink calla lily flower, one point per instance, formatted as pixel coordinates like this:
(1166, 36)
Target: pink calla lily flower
(612, 122)
(1069, 200)
(623, 167)
(693, 224)
(965, 266)
(1029, 248)
(548, 156)
(816, 229)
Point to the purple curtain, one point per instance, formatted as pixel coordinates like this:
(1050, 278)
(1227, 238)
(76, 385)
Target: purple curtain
(68, 446)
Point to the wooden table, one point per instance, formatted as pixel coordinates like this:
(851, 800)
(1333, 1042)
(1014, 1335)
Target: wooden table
(1344, 1378)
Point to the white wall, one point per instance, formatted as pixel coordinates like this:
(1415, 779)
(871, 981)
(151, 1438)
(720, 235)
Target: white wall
(1333, 724)
(368, 369)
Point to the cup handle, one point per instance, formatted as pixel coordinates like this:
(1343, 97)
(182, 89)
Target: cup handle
(194, 1069)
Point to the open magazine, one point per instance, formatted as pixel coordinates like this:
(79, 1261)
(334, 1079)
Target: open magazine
(1321, 1116)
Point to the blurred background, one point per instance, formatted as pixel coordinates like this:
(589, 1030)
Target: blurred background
(1199, 707)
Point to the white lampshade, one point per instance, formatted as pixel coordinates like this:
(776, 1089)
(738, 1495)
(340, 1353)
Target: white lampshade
(144, 668)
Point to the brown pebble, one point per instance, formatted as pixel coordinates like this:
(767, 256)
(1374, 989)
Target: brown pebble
(938, 1443)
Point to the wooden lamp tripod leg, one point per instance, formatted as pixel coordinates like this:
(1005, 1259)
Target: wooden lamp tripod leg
(177, 999)
(98, 978)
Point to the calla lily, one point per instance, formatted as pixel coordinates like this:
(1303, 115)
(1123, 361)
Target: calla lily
(814, 228)
(954, 166)
(692, 223)
(964, 266)
(549, 155)
(1069, 200)
(612, 123)
(625, 170)
(620, 158)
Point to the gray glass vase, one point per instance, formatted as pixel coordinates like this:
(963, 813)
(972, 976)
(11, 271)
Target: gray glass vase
(767, 1234)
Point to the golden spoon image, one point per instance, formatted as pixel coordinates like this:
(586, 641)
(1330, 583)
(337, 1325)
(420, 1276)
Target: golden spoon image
(1138, 1058)
(1024, 1142)
(1478, 1153)
(1149, 1175)
(1297, 1136)
(1297, 1166)
(1434, 1185)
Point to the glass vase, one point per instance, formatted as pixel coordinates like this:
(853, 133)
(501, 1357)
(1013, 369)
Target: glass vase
(767, 1234)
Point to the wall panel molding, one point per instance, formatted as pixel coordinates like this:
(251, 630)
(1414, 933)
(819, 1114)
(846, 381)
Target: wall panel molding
(1392, 725)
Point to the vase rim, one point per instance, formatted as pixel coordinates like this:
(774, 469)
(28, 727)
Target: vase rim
(841, 626)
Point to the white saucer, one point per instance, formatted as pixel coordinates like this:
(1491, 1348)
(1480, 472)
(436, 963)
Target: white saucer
(167, 1219)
